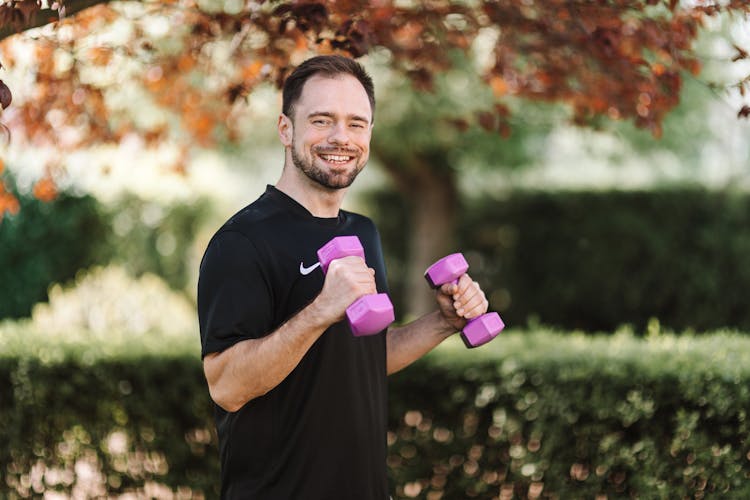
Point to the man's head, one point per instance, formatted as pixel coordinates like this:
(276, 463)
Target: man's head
(328, 66)
(326, 121)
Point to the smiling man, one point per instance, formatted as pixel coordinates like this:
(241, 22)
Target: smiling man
(301, 403)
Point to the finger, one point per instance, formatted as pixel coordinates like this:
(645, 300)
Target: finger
(471, 299)
(467, 288)
(354, 271)
(477, 306)
(346, 264)
(351, 265)
(365, 280)
(464, 283)
(461, 296)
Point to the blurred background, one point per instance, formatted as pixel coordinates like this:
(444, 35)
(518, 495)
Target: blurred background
(580, 225)
(125, 151)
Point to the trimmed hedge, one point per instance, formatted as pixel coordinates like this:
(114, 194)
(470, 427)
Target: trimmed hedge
(596, 261)
(538, 414)
(89, 416)
(568, 416)
(599, 260)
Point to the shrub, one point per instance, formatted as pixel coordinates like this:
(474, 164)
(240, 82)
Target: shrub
(157, 238)
(104, 300)
(46, 242)
(598, 260)
(545, 415)
(533, 414)
(88, 414)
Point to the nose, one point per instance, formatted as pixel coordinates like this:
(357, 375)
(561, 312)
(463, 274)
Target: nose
(339, 134)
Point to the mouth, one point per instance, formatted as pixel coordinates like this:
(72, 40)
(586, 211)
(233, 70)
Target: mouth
(336, 158)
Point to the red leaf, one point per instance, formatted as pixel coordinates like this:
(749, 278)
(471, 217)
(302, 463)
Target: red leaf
(486, 120)
(744, 112)
(45, 189)
(5, 95)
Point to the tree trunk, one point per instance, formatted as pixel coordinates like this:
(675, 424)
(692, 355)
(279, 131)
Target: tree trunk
(432, 237)
(432, 197)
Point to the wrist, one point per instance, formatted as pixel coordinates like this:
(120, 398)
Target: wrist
(444, 327)
(320, 314)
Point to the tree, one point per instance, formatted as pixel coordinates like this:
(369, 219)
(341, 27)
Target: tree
(425, 141)
(619, 59)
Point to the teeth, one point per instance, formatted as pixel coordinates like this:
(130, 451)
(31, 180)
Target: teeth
(335, 158)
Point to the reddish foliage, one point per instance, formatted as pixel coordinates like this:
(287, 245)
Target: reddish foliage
(621, 58)
(8, 202)
(5, 95)
(45, 189)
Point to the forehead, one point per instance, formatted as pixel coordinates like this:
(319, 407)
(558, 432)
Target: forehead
(340, 94)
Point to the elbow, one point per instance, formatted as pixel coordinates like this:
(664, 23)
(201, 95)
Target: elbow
(224, 400)
(220, 387)
(228, 391)
(232, 399)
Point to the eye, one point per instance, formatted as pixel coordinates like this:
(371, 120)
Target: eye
(321, 122)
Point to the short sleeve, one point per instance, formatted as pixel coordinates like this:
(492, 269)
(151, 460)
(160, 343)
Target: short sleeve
(234, 296)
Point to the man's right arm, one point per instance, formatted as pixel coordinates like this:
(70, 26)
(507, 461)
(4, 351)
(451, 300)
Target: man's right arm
(252, 367)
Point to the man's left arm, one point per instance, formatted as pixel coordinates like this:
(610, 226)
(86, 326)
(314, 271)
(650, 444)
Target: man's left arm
(457, 303)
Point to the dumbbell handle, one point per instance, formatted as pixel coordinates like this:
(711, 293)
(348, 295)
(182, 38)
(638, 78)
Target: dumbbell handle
(368, 314)
(480, 330)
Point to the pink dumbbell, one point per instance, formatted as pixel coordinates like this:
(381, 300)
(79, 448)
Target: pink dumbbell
(368, 314)
(479, 330)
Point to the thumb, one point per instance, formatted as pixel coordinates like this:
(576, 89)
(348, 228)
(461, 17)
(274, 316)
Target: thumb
(449, 288)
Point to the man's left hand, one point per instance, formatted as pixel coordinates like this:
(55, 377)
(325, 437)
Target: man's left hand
(461, 302)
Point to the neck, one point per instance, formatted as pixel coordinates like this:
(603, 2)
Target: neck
(318, 200)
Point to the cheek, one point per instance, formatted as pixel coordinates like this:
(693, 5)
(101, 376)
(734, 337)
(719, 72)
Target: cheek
(310, 140)
(363, 142)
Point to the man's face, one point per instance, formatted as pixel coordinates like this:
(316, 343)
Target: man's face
(331, 130)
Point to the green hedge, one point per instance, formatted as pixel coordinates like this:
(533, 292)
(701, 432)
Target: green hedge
(572, 416)
(131, 410)
(45, 243)
(155, 237)
(599, 260)
(596, 261)
(539, 414)
(50, 242)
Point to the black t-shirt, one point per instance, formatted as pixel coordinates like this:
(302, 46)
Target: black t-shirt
(321, 433)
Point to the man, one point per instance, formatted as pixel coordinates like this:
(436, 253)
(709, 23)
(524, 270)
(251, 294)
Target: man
(301, 404)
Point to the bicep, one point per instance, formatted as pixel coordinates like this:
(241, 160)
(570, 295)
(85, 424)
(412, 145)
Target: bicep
(213, 366)
(234, 297)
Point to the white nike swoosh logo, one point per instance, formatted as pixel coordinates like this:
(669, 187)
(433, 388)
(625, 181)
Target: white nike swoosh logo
(304, 271)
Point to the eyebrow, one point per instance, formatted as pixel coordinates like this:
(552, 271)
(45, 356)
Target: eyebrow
(328, 114)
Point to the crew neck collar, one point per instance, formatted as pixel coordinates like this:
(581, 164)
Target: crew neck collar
(300, 209)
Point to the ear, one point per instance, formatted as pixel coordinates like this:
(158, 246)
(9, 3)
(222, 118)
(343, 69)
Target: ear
(286, 130)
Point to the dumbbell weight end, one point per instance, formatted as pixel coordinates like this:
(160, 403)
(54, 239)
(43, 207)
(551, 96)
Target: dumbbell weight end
(478, 331)
(370, 314)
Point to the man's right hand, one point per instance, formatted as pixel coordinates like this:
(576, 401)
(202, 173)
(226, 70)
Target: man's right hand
(347, 279)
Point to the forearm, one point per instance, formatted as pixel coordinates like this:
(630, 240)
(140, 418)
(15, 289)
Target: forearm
(407, 343)
(253, 367)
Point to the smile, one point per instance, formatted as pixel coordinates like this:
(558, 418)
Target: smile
(336, 158)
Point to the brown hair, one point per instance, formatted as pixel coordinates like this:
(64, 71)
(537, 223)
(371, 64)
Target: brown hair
(329, 66)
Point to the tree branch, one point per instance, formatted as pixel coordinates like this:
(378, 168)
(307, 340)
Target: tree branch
(43, 17)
